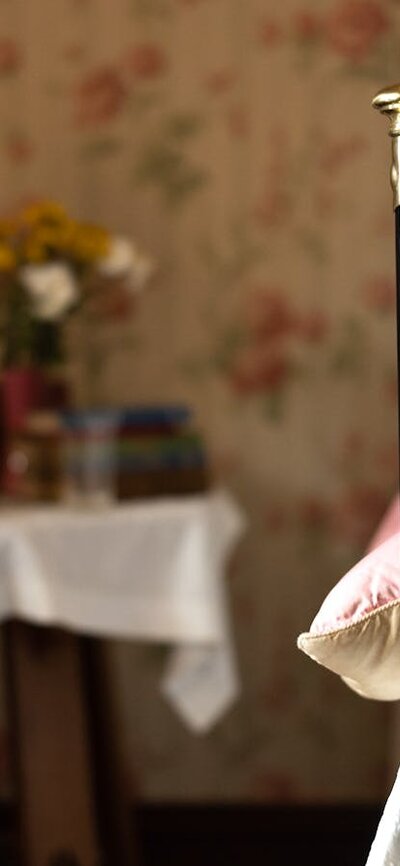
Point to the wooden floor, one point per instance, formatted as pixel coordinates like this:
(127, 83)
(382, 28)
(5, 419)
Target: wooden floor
(242, 836)
(257, 836)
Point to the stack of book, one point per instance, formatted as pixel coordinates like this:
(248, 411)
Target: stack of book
(159, 453)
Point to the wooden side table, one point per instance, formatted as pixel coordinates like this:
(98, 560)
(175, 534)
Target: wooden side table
(149, 571)
(73, 810)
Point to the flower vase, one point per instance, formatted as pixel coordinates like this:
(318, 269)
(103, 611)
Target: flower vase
(23, 389)
(57, 394)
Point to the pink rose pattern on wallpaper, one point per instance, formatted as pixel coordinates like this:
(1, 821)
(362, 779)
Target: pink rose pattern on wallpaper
(352, 29)
(99, 97)
(272, 312)
(260, 356)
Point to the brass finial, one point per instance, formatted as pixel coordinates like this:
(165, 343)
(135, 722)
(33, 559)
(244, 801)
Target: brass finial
(387, 101)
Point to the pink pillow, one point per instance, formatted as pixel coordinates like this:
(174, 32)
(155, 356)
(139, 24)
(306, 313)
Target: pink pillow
(356, 633)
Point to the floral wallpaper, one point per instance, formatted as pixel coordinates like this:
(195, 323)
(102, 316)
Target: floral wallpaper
(236, 142)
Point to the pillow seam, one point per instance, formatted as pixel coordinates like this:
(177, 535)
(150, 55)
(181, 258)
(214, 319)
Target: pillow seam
(370, 615)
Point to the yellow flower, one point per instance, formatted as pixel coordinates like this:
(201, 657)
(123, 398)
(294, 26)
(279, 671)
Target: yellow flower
(8, 228)
(33, 250)
(50, 212)
(55, 237)
(7, 257)
(45, 241)
(44, 231)
(89, 243)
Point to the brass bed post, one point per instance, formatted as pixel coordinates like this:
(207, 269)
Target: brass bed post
(387, 101)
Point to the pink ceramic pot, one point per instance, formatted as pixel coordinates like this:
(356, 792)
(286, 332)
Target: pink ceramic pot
(23, 390)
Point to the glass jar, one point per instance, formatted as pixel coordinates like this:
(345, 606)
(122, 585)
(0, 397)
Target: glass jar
(89, 456)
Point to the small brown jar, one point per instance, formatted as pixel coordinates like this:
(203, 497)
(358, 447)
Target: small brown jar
(32, 461)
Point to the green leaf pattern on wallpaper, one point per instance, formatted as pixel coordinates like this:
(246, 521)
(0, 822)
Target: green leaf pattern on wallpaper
(164, 162)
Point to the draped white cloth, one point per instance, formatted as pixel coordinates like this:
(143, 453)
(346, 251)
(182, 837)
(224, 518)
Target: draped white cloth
(150, 571)
(385, 850)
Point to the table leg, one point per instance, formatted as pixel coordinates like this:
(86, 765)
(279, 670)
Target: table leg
(116, 820)
(74, 809)
(49, 726)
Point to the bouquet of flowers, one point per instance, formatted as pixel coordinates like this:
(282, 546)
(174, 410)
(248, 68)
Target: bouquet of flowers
(53, 266)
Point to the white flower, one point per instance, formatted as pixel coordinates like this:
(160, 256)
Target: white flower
(52, 289)
(125, 260)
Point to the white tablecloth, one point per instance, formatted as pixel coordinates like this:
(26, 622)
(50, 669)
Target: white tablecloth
(149, 570)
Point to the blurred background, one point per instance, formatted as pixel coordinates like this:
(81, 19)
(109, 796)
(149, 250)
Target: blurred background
(235, 143)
